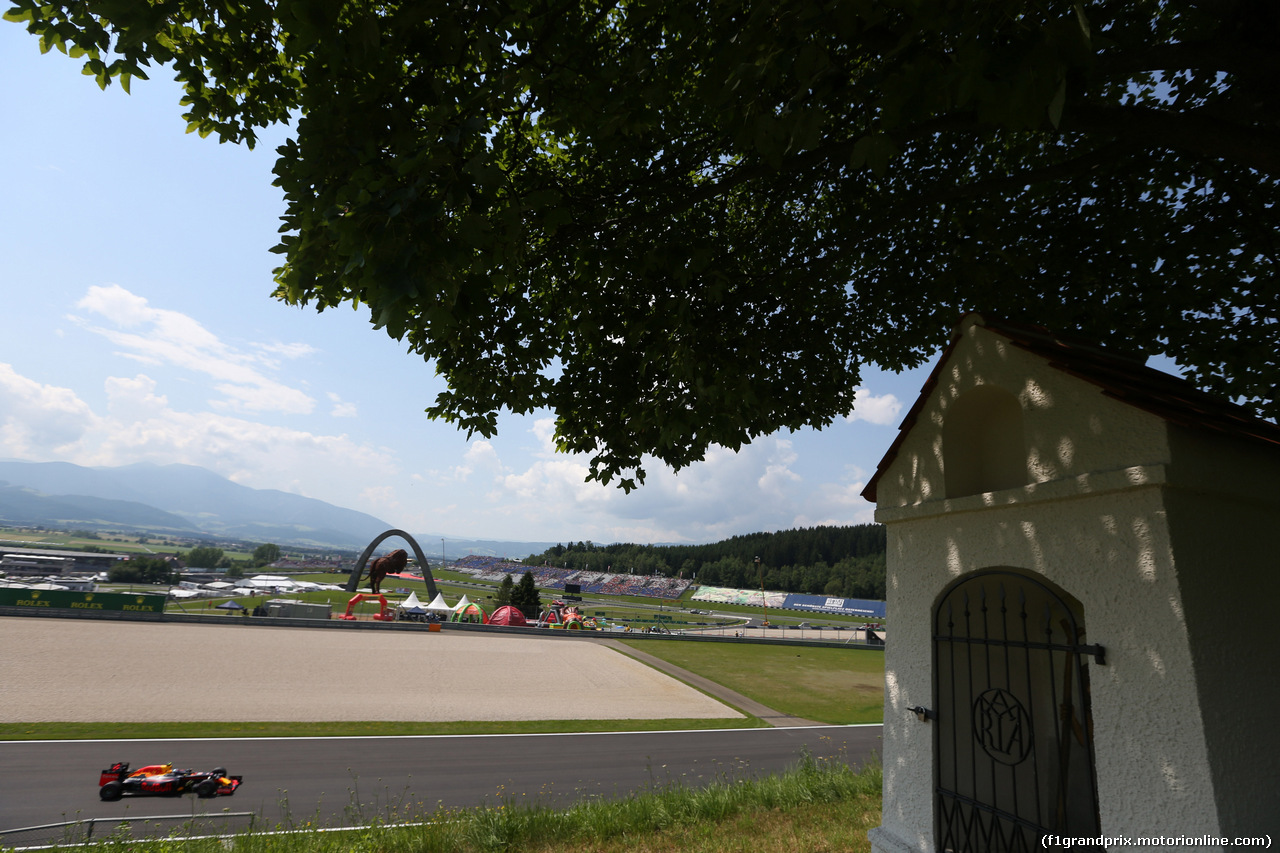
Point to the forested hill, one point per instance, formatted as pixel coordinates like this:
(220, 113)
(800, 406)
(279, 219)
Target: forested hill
(839, 561)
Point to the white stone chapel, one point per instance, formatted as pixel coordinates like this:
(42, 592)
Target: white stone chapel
(1083, 604)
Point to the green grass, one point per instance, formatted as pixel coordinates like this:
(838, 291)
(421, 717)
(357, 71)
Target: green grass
(835, 685)
(373, 728)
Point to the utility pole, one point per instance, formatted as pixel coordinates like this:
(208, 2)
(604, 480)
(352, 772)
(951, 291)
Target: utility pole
(763, 602)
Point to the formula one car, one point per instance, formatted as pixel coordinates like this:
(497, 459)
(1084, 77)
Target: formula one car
(164, 780)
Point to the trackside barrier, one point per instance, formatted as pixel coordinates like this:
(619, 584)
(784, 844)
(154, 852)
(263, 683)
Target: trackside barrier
(278, 832)
(142, 604)
(74, 833)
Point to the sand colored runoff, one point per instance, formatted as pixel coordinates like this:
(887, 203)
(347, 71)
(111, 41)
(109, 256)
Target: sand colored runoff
(72, 670)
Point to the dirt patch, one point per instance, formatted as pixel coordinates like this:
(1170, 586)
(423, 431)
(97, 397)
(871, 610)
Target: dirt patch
(72, 670)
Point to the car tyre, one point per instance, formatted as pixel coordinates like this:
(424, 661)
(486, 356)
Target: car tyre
(206, 789)
(111, 791)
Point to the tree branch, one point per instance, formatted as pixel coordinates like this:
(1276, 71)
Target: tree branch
(1193, 132)
(1210, 56)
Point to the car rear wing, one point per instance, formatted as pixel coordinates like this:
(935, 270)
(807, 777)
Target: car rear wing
(113, 773)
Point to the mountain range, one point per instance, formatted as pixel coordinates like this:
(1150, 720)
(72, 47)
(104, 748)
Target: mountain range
(187, 500)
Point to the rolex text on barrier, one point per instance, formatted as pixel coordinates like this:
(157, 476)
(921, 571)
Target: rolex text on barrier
(126, 602)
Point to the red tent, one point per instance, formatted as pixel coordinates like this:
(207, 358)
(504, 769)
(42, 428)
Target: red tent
(507, 615)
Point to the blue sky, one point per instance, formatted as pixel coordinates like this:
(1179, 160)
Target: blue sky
(138, 325)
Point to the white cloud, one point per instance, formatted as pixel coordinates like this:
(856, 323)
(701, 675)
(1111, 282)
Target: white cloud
(46, 423)
(341, 409)
(381, 498)
(882, 410)
(36, 419)
(289, 351)
(777, 475)
(866, 515)
(480, 456)
(134, 398)
(157, 336)
(723, 495)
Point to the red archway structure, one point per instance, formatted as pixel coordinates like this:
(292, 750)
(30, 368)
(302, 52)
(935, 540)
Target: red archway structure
(384, 614)
(353, 583)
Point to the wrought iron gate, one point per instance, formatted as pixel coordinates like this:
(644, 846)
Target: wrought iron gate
(1013, 735)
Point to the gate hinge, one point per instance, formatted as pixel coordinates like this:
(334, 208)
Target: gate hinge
(1098, 651)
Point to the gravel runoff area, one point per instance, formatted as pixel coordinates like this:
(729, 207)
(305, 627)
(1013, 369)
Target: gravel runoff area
(73, 670)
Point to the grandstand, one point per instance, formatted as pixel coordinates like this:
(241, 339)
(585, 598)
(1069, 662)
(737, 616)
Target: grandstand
(492, 569)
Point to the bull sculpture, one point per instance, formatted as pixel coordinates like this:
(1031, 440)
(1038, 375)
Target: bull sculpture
(391, 564)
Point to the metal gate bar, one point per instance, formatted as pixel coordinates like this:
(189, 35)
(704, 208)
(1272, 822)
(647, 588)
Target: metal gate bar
(1006, 769)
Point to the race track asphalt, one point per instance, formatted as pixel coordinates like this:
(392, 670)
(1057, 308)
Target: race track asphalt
(341, 781)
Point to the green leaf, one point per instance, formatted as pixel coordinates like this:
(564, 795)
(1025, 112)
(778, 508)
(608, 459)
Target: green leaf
(874, 150)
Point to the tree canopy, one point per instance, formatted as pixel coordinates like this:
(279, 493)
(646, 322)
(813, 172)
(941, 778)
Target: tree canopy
(203, 557)
(704, 218)
(502, 597)
(839, 561)
(142, 569)
(525, 596)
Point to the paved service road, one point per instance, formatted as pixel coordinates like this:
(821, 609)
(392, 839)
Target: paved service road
(339, 781)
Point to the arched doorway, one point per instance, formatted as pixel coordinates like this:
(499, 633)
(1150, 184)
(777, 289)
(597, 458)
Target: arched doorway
(1013, 733)
(353, 583)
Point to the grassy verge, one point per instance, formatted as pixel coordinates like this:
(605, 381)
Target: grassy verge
(839, 686)
(373, 728)
(820, 805)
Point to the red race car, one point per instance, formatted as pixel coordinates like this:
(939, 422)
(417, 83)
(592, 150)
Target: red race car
(163, 780)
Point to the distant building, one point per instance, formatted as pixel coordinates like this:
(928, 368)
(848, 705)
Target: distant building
(49, 561)
(35, 565)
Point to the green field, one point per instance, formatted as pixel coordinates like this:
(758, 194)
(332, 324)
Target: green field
(835, 685)
(64, 541)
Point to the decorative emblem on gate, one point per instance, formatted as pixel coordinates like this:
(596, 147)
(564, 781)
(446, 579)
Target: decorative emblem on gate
(1002, 726)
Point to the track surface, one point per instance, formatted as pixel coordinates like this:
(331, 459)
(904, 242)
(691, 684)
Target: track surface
(341, 781)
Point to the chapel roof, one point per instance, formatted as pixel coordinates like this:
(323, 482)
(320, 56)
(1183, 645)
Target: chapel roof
(1171, 398)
